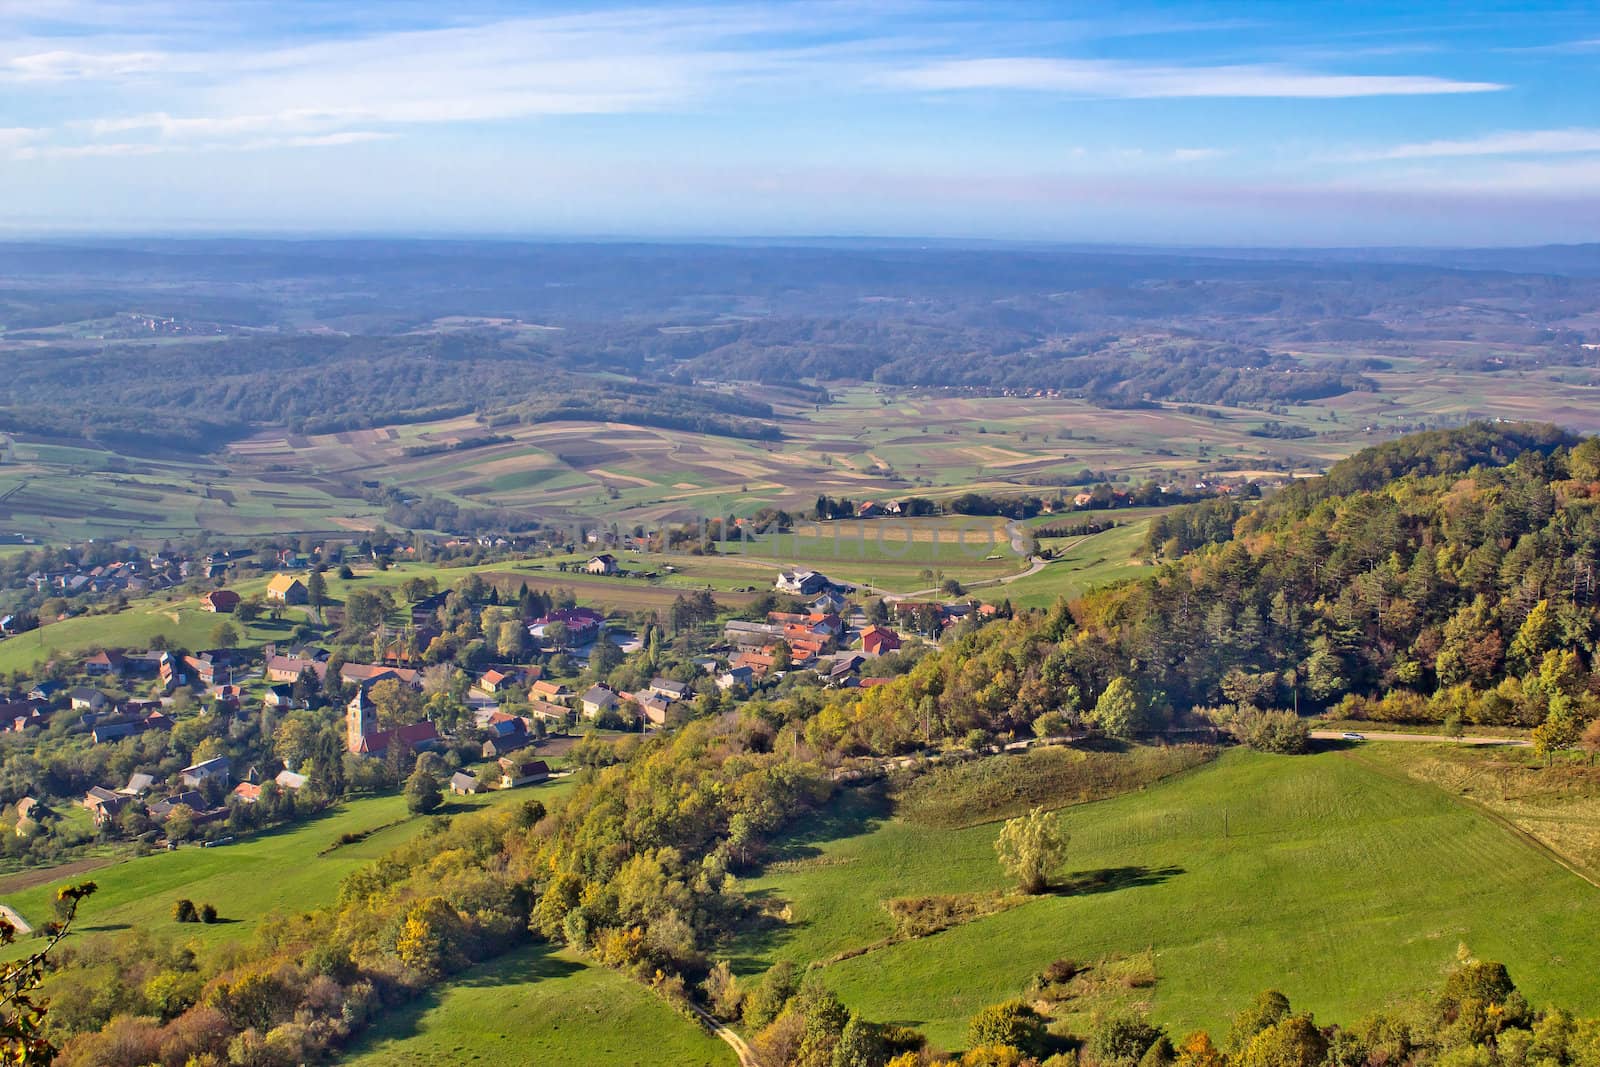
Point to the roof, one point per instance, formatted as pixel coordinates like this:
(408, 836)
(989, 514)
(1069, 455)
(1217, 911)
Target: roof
(463, 780)
(599, 694)
(215, 765)
(668, 685)
(524, 768)
(290, 780)
(282, 583)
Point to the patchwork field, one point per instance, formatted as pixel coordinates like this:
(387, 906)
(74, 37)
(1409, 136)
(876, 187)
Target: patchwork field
(1343, 887)
(869, 443)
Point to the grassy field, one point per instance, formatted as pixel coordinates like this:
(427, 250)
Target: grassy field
(1082, 564)
(1342, 886)
(538, 1006)
(247, 881)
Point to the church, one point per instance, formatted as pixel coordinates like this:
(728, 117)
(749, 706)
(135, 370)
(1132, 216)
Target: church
(363, 737)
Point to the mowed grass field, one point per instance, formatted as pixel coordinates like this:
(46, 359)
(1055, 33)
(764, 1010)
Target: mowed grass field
(1343, 887)
(534, 1005)
(247, 881)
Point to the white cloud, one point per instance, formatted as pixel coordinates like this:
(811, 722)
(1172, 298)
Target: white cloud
(1189, 155)
(60, 65)
(1505, 143)
(1130, 80)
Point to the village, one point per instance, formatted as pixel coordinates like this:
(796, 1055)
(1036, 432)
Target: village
(167, 746)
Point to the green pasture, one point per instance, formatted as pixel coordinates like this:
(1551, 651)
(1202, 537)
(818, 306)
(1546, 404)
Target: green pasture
(1316, 875)
(247, 881)
(535, 1005)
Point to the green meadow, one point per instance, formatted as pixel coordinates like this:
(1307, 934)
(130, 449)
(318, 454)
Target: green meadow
(535, 1005)
(293, 866)
(1344, 887)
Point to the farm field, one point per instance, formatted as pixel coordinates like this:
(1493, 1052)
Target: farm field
(869, 443)
(534, 1005)
(249, 880)
(1341, 886)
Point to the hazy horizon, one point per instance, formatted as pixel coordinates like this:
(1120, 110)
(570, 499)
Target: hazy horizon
(1164, 124)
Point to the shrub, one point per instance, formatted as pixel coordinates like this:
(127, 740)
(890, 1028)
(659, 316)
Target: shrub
(1012, 1023)
(185, 912)
(208, 913)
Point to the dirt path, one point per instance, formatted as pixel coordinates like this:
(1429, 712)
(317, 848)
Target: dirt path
(741, 1048)
(23, 929)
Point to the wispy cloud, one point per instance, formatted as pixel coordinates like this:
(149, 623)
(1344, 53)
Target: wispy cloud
(1505, 143)
(1131, 80)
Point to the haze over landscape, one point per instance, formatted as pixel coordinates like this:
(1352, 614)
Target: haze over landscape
(924, 534)
(1152, 123)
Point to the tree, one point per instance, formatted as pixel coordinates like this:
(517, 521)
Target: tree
(395, 703)
(208, 913)
(605, 657)
(248, 611)
(422, 792)
(1012, 1023)
(1561, 728)
(1291, 1042)
(225, 635)
(1269, 1008)
(23, 1038)
(1030, 847)
(184, 911)
(316, 590)
(180, 823)
(1119, 712)
(511, 640)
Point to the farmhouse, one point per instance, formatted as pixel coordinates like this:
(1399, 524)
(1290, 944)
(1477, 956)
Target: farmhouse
(802, 583)
(87, 699)
(289, 668)
(515, 772)
(103, 804)
(287, 589)
(103, 663)
(598, 699)
(291, 781)
(463, 784)
(220, 601)
(733, 676)
(138, 785)
(549, 691)
(876, 640)
(498, 680)
(605, 563)
(669, 689)
(212, 768)
(550, 713)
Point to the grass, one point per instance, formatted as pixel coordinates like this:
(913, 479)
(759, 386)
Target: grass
(538, 1006)
(249, 880)
(999, 787)
(1082, 564)
(1344, 887)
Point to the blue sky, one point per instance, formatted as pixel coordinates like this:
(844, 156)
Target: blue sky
(1266, 123)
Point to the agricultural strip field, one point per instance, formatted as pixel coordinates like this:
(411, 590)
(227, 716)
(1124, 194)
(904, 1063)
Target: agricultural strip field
(1316, 875)
(535, 1005)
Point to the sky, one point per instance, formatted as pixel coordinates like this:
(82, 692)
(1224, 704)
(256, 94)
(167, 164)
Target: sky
(1268, 123)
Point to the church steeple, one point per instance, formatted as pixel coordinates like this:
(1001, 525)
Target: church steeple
(360, 720)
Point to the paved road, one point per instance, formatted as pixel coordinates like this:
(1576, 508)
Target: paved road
(1436, 739)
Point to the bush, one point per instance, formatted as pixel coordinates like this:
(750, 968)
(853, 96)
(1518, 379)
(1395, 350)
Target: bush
(1013, 1024)
(208, 914)
(185, 912)
(1123, 1039)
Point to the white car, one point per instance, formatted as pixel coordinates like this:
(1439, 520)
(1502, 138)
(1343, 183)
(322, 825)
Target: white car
(1353, 737)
